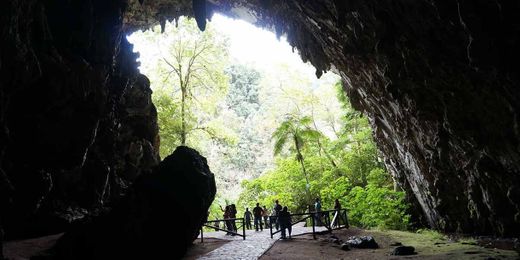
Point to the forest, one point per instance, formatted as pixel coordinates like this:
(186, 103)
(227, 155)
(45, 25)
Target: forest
(269, 133)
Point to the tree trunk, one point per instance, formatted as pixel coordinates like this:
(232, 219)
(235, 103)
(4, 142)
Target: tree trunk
(331, 160)
(307, 185)
(183, 116)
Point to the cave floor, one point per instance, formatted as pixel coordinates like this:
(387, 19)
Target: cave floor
(27, 248)
(259, 245)
(428, 245)
(253, 247)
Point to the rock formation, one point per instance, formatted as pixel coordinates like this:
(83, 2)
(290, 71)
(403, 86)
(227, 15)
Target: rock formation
(158, 219)
(438, 80)
(77, 125)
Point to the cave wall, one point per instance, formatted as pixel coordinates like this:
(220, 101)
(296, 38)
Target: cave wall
(77, 124)
(439, 83)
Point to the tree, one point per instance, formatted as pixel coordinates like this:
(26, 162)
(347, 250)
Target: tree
(194, 59)
(296, 132)
(187, 66)
(243, 90)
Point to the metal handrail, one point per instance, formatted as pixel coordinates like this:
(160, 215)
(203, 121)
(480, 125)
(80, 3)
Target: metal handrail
(206, 224)
(339, 215)
(342, 213)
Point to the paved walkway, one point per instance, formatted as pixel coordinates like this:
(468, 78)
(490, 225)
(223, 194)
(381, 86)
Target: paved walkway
(253, 247)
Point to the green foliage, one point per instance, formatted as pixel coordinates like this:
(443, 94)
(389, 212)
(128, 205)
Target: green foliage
(243, 95)
(168, 121)
(432, 234)
(374, 206)
(186, 71)
(274, 186)
(293, 130)
(243, 100)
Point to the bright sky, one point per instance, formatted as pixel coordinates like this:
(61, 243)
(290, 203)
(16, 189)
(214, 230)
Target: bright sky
(250, 44)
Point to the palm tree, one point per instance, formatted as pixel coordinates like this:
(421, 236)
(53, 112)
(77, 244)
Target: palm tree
(295, 131)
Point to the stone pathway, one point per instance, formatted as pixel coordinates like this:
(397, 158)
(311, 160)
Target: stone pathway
(255, 244)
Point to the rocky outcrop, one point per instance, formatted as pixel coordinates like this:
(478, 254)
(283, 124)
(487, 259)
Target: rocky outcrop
(158, 219)
(77, 125)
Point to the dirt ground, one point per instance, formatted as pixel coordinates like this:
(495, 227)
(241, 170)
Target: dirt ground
(426, 246)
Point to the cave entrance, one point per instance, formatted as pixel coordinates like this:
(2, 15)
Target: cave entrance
(269, 128)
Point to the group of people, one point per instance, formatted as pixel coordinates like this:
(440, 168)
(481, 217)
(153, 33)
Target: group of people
(318, 214)
(280, 217)
(258, 214)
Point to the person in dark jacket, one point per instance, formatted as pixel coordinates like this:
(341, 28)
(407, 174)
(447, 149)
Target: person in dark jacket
(276, 210)
(226, 216)
(257, 213)
(284, 217)
(247, 218)
(233, 215)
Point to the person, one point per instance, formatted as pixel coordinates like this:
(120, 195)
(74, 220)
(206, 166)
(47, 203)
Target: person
(337, 205)
(229, 226)
(337, 208)
(265, 214)
(276, 210)
(233, 216)
(257, 213)
(317, 208)
(247, 218)
(285, 222)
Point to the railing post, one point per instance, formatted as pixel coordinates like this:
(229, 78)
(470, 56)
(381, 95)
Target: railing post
(329, 220)
(244, 228)
(343, 217)
(346, 219)
(271, 226)
(313, 229)
(201, 234)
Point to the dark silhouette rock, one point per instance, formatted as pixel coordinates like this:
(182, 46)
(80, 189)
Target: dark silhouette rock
(404, 250)
(159, 218)
(77, 124)
(362, 242)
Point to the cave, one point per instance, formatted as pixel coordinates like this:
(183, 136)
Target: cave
(437, 79)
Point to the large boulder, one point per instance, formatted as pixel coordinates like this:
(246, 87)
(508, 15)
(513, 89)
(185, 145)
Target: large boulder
(159, 218)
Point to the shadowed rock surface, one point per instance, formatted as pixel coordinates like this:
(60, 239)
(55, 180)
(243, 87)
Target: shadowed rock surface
(438, 80)
(158, 219)
(77, 124)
